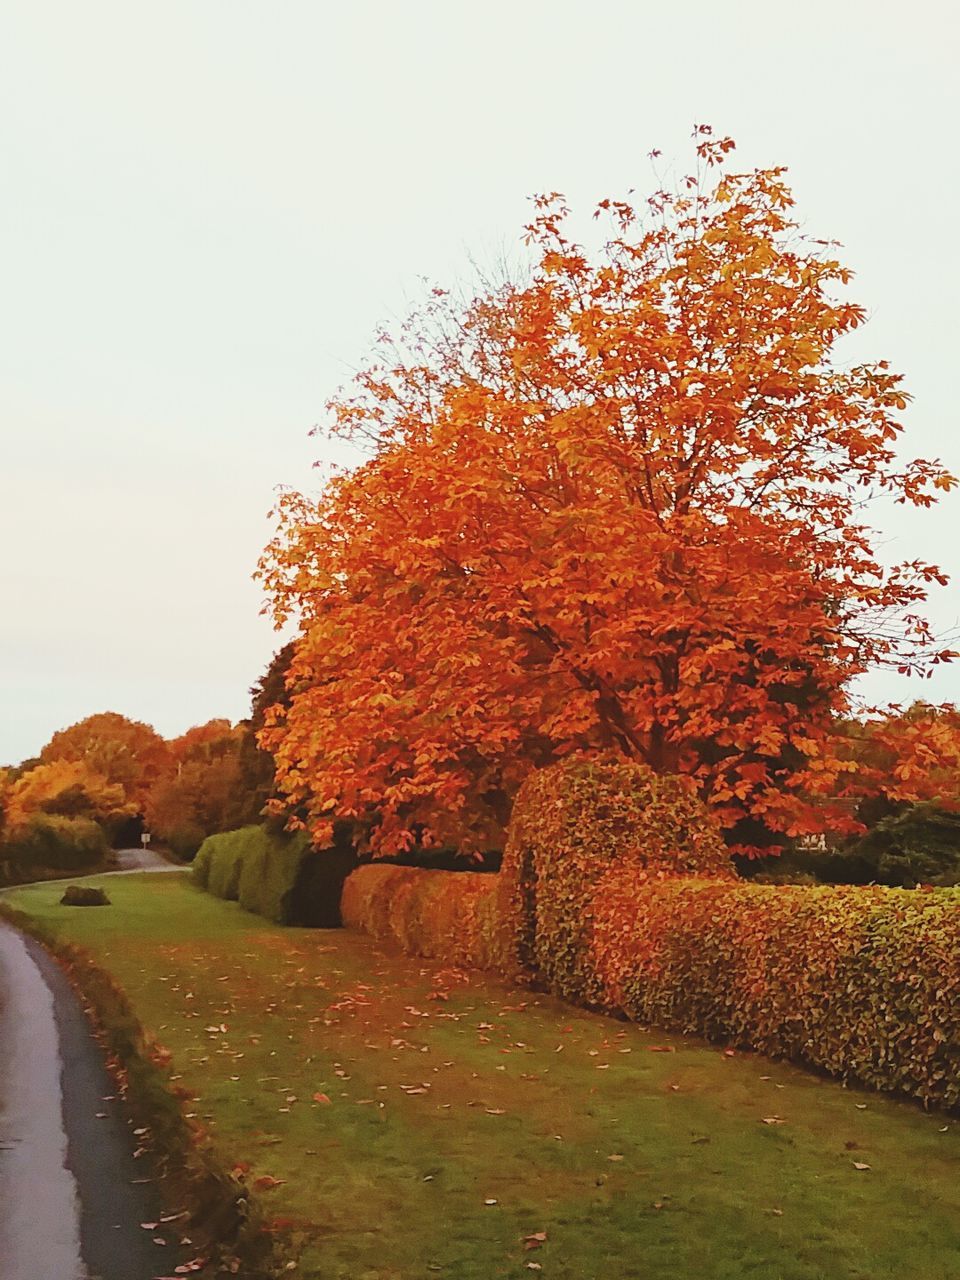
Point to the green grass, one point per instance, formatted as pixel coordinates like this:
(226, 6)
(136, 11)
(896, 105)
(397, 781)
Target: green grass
(448, 1090)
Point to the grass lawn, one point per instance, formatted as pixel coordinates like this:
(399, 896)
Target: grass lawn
(424, 1121)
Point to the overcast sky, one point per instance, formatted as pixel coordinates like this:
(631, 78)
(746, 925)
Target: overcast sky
(208, 205)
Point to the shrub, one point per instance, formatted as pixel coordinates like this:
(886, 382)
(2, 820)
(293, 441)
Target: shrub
(315, 900)
(224, 864)
(920, 843)
(81, 895)
(270, 869)
(49, 840)
(200, 870)
(863, 983)
(275, 874)
(453, 916)
(572, 822)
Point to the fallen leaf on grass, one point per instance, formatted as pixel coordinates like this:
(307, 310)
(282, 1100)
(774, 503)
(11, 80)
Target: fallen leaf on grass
(268, 1182)
(661, 1048)
(535, 1240)
(615, 1159)
(773, 1120)
(321, 1097)
(858, 1164)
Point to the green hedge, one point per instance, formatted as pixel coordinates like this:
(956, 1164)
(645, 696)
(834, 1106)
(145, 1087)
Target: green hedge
(219, 864)
(453, 916)
(200, 867)
(275, 875)
(270, 871)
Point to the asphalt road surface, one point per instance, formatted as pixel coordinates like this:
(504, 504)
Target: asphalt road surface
(143, 860)
(72, 1192)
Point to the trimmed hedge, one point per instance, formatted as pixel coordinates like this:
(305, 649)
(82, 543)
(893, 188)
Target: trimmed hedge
(269, 872)
(200, 867)
(572, 822)
(276, 875)
(617, 891)
(863, 983)
(219, 863)
(449, 915)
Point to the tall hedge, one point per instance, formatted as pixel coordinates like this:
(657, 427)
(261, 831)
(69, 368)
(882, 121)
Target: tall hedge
(221, 864)
(571, 823)
(863, 982)
(270, 869)
(277, 875)
(453, 916)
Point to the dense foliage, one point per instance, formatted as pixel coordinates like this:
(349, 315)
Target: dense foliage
(617, 506)
(276, 875)
(570, 824)
(916, 845)
(451, 916)
(201, 792)
(122, 751)
(48, 841)
(861, 982)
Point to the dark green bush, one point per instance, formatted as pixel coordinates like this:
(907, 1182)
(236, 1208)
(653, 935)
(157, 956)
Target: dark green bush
(276, 874)
(49, 840)
(920, 845)
(200, 871)
(223, 865)
(82, 895)
(316, 898)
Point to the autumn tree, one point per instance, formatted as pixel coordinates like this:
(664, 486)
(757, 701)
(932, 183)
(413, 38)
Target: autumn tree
(69, 788)
(126, 752)
(201, 790)
(619, 505)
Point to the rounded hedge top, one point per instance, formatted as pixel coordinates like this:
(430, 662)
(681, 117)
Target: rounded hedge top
(602, 810)
(573, 822)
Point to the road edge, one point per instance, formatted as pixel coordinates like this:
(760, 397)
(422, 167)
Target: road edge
(225, 1223)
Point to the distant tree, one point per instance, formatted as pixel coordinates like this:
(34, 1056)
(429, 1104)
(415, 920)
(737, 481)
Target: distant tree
(68, 788)
(257, 768)
(918, 844)
(202, 790)
(122, 751)
(210, 741)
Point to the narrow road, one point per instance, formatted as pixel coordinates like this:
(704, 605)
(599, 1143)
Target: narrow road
(72, 1193)
(143, 860)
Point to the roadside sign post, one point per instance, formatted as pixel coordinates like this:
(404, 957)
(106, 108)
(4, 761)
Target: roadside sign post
(145, 838)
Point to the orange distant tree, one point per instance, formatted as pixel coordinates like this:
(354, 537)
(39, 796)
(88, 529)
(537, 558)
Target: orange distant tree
(202, 790)
(615, 506)
(126, 752)
(66, 787)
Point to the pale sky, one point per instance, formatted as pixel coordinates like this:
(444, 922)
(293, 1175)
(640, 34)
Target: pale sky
(208, 206)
